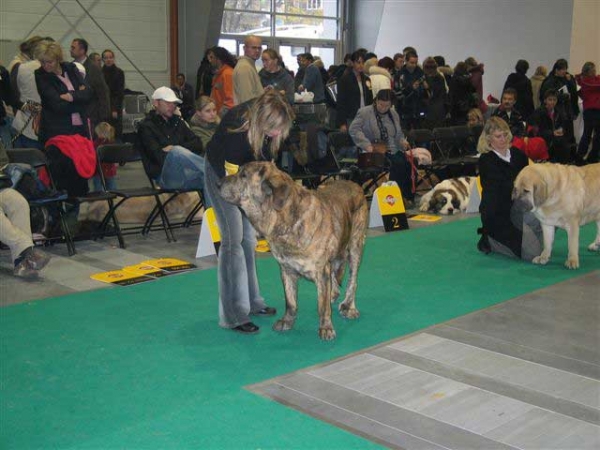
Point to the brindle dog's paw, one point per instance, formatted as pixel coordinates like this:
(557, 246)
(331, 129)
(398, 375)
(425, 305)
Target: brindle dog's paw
(349, 313)
(594, 247)
(327, 334)
(283, 325)
(572, 263)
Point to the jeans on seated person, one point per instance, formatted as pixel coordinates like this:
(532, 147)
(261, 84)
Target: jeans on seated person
(183, 169)
(25, 142)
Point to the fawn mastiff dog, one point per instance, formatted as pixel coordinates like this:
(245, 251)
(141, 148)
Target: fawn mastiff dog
(312, 233)
(561, 196)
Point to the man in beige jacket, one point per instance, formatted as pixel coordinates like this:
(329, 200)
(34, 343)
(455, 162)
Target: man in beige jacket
(246, 82)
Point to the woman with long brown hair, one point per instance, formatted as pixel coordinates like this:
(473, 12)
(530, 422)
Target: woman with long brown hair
(251, 131)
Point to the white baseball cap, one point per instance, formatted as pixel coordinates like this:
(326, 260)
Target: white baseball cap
(166, 94)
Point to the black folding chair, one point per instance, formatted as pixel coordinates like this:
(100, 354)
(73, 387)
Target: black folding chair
(368, 176)
(122, 154)
(37, 159)
(174, 193)
(451, 154)
(423, 138)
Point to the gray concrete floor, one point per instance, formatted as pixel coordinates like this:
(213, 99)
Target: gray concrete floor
(524, 374)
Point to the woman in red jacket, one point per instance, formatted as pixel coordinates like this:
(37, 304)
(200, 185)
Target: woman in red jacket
(590, 94)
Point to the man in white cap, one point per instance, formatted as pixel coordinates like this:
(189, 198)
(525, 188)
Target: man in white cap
(171, 151)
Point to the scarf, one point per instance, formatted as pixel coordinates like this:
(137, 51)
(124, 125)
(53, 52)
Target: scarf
(383, 131)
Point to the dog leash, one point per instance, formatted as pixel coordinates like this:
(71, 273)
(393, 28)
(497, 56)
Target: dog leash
(413, 170)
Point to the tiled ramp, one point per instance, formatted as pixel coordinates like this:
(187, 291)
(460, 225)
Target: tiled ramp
(524, 374)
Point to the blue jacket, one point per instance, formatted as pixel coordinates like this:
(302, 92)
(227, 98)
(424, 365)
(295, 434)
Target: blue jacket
(313, 82)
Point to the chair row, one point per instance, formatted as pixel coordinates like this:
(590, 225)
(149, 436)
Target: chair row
(453, 151)
(111, 154)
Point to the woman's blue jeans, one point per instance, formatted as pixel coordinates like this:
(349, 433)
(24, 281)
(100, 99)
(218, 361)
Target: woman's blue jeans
(239, 293)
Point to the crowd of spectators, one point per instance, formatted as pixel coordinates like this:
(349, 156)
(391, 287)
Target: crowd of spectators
(52, 103)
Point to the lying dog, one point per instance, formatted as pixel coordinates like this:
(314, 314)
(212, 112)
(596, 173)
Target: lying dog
(136, 210)
(312, 234)
(448, 197)
(561, 196)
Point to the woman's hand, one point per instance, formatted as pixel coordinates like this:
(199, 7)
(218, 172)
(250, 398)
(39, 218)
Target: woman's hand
(405, 144)
(369, 148)
(67, 97)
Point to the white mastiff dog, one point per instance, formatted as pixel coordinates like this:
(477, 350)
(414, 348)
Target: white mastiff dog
(561, 196)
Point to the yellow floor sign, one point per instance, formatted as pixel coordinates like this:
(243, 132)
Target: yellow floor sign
(387, 208)
(209, 240)
(425, 218)
(145, 271)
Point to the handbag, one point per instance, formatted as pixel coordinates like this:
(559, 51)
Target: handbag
(380, 147)
(35, 123)
(35, 115)
(371, 160)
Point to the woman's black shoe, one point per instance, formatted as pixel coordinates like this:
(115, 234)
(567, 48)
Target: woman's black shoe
(247, 328)
(266, 311)
(484, 245)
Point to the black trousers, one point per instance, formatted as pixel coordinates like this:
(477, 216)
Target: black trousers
(591, 132)
(64, 174)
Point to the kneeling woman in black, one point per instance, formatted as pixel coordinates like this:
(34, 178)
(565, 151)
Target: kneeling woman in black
(506, 229)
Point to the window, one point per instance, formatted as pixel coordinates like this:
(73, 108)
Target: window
(313, 4)
(303, 22)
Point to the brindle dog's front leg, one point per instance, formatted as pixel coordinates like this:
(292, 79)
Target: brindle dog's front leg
(323, 282)
(290, 286)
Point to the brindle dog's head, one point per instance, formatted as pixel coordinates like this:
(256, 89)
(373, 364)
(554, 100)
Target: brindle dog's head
(530, 189)
(257, 188)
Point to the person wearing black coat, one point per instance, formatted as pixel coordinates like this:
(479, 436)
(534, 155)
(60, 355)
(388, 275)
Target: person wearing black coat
(204, 78)
(99, 106)
(506, 229)
(462, 95)
(172, 153)
(522, 85)
(353, 92)
(435, 95)
(250, 131)
(65, 96)
(57, 110)
(549, 123)
(563, 83)
(115, 80)
(412, 92)
(507, 112)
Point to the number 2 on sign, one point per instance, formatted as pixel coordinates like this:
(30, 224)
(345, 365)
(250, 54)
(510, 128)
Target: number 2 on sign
(395, 222)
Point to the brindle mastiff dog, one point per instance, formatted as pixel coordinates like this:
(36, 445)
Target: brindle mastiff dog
(312, 233)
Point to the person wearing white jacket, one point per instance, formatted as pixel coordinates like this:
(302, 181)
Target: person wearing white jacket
(380, 75)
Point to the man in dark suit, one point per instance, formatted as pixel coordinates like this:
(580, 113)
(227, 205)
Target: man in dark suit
(353, 90)
(99, 107)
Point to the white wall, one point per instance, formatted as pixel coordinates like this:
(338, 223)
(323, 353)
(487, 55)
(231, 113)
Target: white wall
(139, 27)
(585, 38)
(495, 32)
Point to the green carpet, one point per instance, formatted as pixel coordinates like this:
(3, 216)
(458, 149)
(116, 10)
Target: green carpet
(147, 367)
